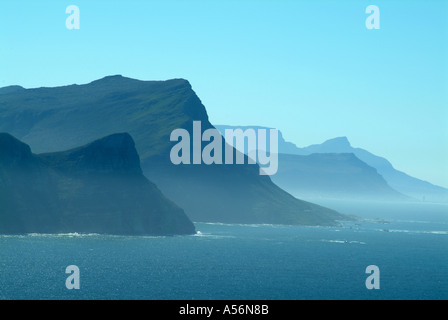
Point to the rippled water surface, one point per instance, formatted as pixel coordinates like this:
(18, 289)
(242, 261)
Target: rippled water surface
(408, 243)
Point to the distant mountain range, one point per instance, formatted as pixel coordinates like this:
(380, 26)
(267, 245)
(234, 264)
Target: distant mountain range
(332, 175)
(336, 173)
(60, 118)
(400, 181)
(97, 188)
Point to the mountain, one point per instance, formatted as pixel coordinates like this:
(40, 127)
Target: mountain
(400, 181)
(413, 188)
(332, 175)
(53, 119)
(284, 146)
(325, 175)
(97, 188)
(10, 89)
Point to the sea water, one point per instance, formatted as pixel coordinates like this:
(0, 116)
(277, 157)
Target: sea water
(407, 242)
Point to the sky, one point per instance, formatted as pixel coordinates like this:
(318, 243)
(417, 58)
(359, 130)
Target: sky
(309, 68)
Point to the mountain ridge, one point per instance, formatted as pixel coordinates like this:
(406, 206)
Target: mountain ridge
(400, 181)
(415, 189)
(60, 118)
(332, 176)
(71, 191)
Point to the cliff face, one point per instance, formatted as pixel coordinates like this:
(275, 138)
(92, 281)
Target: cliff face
(114, 154)
(53, 119)
(13, 152)
(98, 188)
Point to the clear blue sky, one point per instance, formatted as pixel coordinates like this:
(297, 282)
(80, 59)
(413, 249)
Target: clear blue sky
(309, 68)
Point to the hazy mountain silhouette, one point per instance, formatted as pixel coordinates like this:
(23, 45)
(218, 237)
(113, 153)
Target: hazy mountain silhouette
(332, 175)
(399, 183)
(97, 188)
(284, 146)
(53, 119)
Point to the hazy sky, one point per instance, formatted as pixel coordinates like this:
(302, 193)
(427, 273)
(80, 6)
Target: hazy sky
(309, 68)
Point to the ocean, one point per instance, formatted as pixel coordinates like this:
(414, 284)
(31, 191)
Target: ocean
(408, 243)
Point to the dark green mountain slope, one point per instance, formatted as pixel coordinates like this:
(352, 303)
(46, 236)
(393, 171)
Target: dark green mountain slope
(98, 188)
(53, 119)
